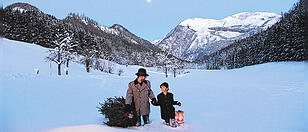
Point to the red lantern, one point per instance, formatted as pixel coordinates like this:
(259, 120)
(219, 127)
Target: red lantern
(179, 116)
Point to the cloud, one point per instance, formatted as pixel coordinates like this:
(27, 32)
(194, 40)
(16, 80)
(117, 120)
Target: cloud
(149, 1)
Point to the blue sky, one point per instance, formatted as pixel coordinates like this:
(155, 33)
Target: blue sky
(153, 19)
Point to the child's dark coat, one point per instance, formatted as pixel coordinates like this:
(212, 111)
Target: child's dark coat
(166, 103)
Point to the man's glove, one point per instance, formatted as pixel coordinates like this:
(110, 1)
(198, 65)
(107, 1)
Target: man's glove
(178, 103)
(153, 102)
(130, 115)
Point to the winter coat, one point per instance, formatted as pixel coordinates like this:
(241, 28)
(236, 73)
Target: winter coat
(141, 95)
(166, 103)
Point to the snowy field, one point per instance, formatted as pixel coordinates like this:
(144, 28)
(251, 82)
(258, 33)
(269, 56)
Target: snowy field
(262, 98)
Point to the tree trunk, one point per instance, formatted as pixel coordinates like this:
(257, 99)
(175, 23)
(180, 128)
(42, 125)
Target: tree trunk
(174, 72)
(59, 65)
(67, 62)
(166, 72)
(59, 69)
(87, 65)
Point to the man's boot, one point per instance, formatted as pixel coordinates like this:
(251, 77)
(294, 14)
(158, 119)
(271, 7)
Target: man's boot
(138, 121)
(146, 119)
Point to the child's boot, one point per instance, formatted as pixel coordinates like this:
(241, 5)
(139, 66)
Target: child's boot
(173, 123)
(167, 122)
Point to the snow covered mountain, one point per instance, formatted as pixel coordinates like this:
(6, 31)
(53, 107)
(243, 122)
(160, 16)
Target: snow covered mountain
(115, 29)
(24, 22)
(283, 41)
(196, 37)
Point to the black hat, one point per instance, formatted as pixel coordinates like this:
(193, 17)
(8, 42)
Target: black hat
(142, 72)
(165, 84)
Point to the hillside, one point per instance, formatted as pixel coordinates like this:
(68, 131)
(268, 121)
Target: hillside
(24, 22)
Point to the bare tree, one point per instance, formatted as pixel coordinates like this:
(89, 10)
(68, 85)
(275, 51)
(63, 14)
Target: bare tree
(88, 58)
(110, 67)
(177, 67)
(60, 54)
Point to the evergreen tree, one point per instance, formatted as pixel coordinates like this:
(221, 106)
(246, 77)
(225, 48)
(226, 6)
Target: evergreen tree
(114, 110)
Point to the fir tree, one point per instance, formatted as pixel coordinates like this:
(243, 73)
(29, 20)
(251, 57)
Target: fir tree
(114, 110)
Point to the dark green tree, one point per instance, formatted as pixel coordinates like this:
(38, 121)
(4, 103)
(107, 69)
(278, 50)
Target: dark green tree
(114, 110)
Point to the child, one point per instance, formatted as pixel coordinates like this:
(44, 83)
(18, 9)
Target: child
(166, 102)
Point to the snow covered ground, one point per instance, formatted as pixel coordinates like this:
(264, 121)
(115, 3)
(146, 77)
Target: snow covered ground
(262, 98)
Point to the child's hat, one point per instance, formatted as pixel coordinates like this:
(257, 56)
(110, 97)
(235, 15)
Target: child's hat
(165, 84)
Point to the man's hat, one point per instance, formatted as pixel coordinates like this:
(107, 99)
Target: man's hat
(142, 72)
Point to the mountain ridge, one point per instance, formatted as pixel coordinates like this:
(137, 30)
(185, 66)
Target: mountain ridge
(210, 35)
(114, 43)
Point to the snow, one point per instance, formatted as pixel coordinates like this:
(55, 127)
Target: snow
(156, 42)
(229, 34)
(250, 18)
(109, 30)
(254, 19)
(262, 98)
(200, 24)
(244, 19)
(84, 21)
(21, 10)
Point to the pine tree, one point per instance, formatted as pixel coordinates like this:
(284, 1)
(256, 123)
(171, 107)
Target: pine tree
(114, 110)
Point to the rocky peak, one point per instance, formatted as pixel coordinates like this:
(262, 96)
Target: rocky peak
(196, 37)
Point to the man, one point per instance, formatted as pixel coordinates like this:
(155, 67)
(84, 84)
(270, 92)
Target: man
(140, 91)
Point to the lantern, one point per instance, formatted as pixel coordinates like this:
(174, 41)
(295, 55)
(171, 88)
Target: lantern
(179, 116)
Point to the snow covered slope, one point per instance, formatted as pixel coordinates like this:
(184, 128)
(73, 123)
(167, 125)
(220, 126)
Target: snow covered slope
(196, 37)
(260, 98)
